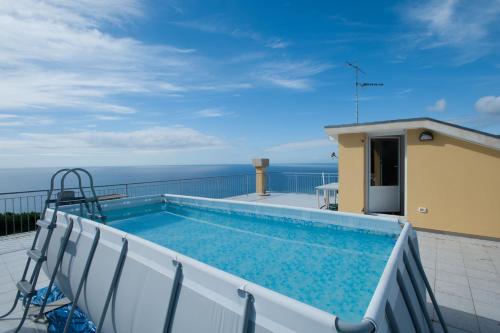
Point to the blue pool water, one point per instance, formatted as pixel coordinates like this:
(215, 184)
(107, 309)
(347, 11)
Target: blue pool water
(332, 268)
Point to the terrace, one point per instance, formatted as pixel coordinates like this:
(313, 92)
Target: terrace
(464, 272)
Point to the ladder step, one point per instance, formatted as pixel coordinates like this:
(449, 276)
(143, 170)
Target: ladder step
(49, 307)
(26, 288)
(36, 255)
(74, 200)
(45, 224)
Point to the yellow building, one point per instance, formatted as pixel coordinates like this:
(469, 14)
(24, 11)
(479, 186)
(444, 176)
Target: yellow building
(437, 175)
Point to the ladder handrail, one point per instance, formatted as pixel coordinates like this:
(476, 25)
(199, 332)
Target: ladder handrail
(91, 184)
(51, 190)
(82, 193)
(92, 189)
(57, 203)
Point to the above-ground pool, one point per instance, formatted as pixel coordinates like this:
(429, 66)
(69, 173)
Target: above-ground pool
(207, 265)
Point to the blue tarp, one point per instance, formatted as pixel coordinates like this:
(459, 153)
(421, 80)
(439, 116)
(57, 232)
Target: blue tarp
(57, 318)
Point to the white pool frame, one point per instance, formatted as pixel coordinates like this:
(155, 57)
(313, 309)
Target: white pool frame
(209, 299)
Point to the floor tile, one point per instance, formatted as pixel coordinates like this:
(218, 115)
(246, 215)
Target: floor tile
(487, 311)
(487, 285)
(486, 297)
(460, 279)
(489, 326)
(453, 289)
(450, 268)
(486, 266)
(483, 275)
(455, 302)
(460, 320)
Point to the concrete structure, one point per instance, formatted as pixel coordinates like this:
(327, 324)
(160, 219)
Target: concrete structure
(438, 175)
(260, 165)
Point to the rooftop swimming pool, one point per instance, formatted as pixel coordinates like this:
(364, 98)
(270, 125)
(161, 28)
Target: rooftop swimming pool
(240, 267)
(333, 268)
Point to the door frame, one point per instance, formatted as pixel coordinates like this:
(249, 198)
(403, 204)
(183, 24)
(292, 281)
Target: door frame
(402, 159)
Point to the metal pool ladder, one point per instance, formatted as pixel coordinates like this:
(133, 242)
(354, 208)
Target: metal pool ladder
(26, 287)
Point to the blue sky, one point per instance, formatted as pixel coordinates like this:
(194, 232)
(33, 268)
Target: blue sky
(131, 82)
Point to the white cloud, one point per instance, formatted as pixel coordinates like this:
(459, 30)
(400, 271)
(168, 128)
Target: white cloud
(247, 57)
(55, 54)
(177, 89)
(211, 113)
(172, 87)
(296, 84)
(439, 106)
(12, 120)
(277, 43)
(223, 87)
(8, 116)
(216, 26)
(107, 118)
(466, 26)
(488, 104)
(350, 23)
(404, 91)
(291, 75)
(301, 145)
(154, 139)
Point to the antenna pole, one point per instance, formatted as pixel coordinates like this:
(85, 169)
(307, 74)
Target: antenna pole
(358, 84)
(357, 96)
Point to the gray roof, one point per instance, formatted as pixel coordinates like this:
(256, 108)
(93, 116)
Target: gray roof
(414, 119)
(453, 130)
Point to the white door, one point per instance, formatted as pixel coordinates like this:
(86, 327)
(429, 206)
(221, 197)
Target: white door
(384, 175)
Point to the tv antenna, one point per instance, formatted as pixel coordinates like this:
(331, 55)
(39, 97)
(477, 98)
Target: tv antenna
(358, 70)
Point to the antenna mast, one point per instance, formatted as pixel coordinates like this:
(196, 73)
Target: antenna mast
(358, 84)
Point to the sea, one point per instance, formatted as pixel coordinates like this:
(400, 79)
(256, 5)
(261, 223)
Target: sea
(26, 179)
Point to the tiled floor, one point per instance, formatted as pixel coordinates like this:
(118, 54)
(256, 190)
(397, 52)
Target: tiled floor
(12, 261)
(464, 273)
(289, 199)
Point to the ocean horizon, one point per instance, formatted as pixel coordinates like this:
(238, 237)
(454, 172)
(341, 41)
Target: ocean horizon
(27, 179)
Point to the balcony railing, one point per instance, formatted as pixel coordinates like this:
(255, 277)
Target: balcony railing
(20, 210)
(298, 182)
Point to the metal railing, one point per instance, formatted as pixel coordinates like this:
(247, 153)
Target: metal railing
(299, 182)
(20, 210)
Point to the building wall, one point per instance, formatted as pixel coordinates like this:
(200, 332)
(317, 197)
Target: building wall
(352, 172)
(458, 183)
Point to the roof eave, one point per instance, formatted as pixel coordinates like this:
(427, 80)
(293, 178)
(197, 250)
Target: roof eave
(458, 132)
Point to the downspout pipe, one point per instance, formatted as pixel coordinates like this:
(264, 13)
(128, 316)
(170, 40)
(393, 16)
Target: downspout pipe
(365, 326)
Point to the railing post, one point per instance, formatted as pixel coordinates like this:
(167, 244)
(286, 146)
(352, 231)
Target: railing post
(248, 185)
